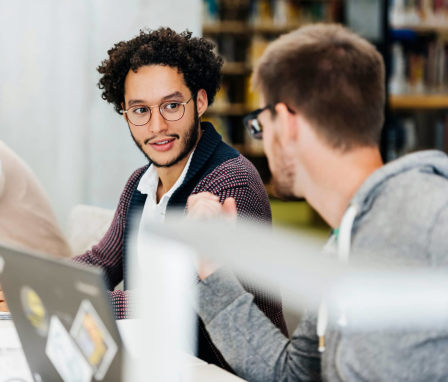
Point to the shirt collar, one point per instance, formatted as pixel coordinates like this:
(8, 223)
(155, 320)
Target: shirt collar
(150, 180)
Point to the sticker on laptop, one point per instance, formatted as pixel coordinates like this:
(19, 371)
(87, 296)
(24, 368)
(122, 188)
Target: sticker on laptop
(34, 310)
(64, 355)
(94, 340)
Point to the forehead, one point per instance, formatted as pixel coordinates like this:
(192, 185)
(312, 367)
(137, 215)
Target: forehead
(151, 83)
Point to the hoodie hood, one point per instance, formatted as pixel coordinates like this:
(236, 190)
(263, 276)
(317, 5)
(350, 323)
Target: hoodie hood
(429, 162)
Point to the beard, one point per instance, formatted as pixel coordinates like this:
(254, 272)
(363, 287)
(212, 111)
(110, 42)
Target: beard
(188, 143)
(283, 186)
(283, 175)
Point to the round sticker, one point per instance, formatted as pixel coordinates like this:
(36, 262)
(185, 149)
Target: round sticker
(34, 310)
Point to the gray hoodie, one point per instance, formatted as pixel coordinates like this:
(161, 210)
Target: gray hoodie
(399, 216)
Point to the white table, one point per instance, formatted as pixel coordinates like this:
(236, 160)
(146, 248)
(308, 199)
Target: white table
(13, 363)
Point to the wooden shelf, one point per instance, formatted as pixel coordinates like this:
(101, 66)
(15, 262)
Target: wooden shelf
(231, 27)
(236, 68)
(419, 101)
(230, 109)
(274, 29)
(240, 27)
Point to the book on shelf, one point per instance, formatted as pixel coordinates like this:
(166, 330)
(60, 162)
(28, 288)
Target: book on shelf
(260, 12)
(252, 96)
(419, 69)
(257, 46)
(210, 11)
(409, 13)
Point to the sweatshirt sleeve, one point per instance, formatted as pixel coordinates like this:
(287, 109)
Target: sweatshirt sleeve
(437, 235)
(254, 348)
(238, 178)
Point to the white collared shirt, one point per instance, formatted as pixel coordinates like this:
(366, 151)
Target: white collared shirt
(148, 185)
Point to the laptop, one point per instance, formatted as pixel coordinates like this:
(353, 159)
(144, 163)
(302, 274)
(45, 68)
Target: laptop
(63, 317)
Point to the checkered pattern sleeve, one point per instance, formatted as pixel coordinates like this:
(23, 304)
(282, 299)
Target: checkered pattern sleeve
(108, 253)
(239, 179)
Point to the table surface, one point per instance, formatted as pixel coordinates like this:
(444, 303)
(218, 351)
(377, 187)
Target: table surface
(13, 363)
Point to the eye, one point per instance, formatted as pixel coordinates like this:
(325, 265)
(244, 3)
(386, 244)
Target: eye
(140, 110)
(171, 107)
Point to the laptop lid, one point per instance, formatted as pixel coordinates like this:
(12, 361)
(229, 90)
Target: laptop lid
(63, 317)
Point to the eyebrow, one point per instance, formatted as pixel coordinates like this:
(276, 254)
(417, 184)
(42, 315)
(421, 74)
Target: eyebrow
(176, 94)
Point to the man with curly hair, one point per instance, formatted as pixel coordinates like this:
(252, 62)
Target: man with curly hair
(162, 83)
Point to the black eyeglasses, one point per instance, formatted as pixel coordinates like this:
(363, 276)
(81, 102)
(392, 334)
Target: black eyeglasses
(253, 125)
(140, 115)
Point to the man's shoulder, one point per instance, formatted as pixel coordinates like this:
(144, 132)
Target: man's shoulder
(236, 171)
(223, 153)
(402, 216)
(237, 166)
(418, 190)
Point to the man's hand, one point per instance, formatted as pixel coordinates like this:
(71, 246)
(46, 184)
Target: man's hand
(3, 306)
(205, 205)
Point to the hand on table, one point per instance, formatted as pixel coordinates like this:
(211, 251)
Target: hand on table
(205, 205)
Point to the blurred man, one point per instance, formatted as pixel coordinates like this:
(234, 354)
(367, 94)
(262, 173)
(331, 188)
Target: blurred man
(162, 83)
(323, 94)
(26, 216)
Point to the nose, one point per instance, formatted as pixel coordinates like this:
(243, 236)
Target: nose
(157, 123)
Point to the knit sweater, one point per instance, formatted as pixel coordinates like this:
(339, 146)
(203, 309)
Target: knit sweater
(215, 168)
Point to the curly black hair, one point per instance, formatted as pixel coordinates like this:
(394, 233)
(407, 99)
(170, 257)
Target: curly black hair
(193, 57)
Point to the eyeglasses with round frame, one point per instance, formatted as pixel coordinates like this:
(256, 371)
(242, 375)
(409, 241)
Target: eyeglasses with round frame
(140, 115)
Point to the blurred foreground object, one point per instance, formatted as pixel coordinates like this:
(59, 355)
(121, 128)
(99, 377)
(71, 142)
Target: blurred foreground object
(384, 307)
(26, 216)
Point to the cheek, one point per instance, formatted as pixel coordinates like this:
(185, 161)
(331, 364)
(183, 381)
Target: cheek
(134, 131)
(269, 143)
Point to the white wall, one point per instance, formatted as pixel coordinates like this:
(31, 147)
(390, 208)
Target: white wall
(51, 111)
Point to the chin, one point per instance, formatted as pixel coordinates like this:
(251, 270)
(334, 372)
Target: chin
(159, 162)
(283, 189)
(165, 161)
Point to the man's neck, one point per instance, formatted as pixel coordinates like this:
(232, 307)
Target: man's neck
(338, 179)
(168, 176)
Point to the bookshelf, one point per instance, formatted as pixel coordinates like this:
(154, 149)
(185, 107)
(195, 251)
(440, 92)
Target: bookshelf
(242, 29)
(418, 101)
(418, 82)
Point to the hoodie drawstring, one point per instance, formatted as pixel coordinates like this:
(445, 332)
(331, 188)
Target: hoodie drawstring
(344, 239)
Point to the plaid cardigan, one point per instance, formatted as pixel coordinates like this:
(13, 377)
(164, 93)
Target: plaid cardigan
(216, 168)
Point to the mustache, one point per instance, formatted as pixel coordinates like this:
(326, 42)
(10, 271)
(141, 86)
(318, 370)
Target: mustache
(147, 140)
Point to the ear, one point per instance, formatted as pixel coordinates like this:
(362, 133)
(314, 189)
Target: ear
(288, 122)
(125, 116)
(201, 102)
